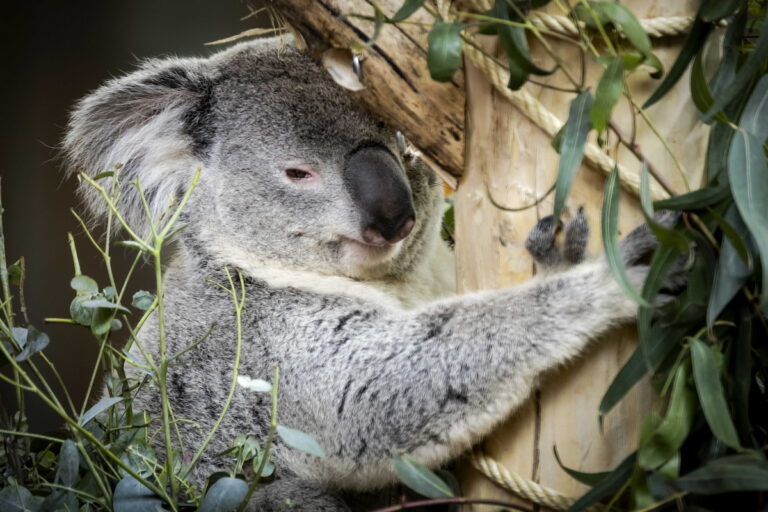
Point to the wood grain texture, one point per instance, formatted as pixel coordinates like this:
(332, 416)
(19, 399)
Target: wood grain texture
(398, 87)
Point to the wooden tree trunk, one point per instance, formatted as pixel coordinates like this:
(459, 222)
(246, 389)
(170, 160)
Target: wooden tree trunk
(510, 157)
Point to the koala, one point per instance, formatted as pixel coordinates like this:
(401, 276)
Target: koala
(349, 287)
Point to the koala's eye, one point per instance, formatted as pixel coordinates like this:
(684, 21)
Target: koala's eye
(297, 174)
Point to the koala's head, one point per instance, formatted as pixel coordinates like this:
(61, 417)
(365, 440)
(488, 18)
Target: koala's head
(292, 171)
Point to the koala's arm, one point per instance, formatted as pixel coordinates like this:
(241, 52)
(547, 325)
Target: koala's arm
(372, 383)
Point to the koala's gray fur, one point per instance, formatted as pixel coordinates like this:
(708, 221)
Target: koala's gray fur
(376, 357)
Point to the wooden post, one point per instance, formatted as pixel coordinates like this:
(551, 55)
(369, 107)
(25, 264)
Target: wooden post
(512, 159)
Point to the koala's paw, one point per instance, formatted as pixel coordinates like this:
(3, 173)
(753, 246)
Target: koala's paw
(543, 246)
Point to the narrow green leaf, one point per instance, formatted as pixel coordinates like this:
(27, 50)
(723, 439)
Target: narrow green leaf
(666, 440)
(698, 34)
(607, 93)
(733, 269)
(748, 173)
(300, 440)
(575, 133)
(694, 200)
(405, 11)
(706, 374)
(716, 10)
(741, 372)
(727, 474)
(665, 236)
(417, 477)
(661, 261)
(608, 486)
(225, 495)
(444, 52)
(69, 462)
(609, 225)
(659, 345)
(755, 114)
(99, 407)
(700, 93)
(744, 75)
(132, 496)
(590, 479)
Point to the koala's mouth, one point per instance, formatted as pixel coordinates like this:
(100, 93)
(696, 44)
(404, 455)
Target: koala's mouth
(363, 252)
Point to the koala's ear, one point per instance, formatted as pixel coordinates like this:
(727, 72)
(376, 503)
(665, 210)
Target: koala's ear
(154, 125)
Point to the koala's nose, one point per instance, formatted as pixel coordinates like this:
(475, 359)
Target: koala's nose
(377, 184)
(390, 229)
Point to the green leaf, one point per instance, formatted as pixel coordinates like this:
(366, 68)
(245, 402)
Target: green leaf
(666, 236)
(607, 93)
(694, 41)
(101, 321)
(300, 440)
(99, 407)
(142, 300)
(748, 173)
(733, 269)
(609, 225)
(716, 10)
(727, 474)
(700, 93)
(706, 374)
(132, 496)
(419, 478)
(84, 285)
(659, 345)
(744, 75)
(69, 462)
(34, 342)
(741, 372)
(575, 133)
(444, 50)
(753, 119)
(694, 200)
(15, 498)
(405, 11)
(666, 440)
(608, 486)
(225, 495)
(105, 304)
(590, 479)
(15, 273)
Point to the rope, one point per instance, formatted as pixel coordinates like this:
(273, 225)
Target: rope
(522, 487)
(534, 110)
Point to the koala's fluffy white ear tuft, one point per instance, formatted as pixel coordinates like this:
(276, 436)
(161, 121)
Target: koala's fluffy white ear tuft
(153, 124)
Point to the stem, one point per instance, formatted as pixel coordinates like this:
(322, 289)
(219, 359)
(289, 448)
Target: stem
(634, 147)
(239, 303)
(73, 250)
(267, 445)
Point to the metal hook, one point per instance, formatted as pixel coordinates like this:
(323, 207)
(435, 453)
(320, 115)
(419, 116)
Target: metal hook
(357, 67)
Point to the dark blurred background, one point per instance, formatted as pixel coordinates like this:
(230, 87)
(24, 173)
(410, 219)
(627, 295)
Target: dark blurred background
(54, 53)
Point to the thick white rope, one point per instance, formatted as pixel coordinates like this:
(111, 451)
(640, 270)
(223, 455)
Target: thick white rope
(522, 487)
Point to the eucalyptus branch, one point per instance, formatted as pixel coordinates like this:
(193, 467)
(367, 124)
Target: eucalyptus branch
(634, 147)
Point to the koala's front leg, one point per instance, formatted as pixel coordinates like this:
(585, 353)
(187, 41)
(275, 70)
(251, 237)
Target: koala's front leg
(289, 493)
(371, 383)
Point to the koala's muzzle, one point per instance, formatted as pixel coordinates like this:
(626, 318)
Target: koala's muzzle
(377, 184)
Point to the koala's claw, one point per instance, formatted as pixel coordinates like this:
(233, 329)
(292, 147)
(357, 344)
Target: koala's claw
(542, 240)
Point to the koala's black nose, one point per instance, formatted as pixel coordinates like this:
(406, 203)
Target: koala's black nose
(378, 186)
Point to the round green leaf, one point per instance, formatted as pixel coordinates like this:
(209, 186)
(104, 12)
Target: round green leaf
(444, 52)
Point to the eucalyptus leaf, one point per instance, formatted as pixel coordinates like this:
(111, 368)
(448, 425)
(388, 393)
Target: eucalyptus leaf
(590, 479)
(667, 438)
(727, 474)
(132, 496)
(744, 75)
(706, 374)
(661, 261)
(84, 285)
(609, 225)
(732, 271)
(748, 174)
(607, 93)
(99, 407)
(700, 92)
(69, 462)
(420, 479)
(444, 50)
(696, 37)
(755, 114)
(101, 321)
(405, 11)
(104, 303)
(694, 200)
(80, 313)
(575, 133)
(607, 486)
(300, 440)
(15, 498)
(716, 10)
(741, 373)
(142, 300)
(34, 342)
(666, 236)
(225, 495)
